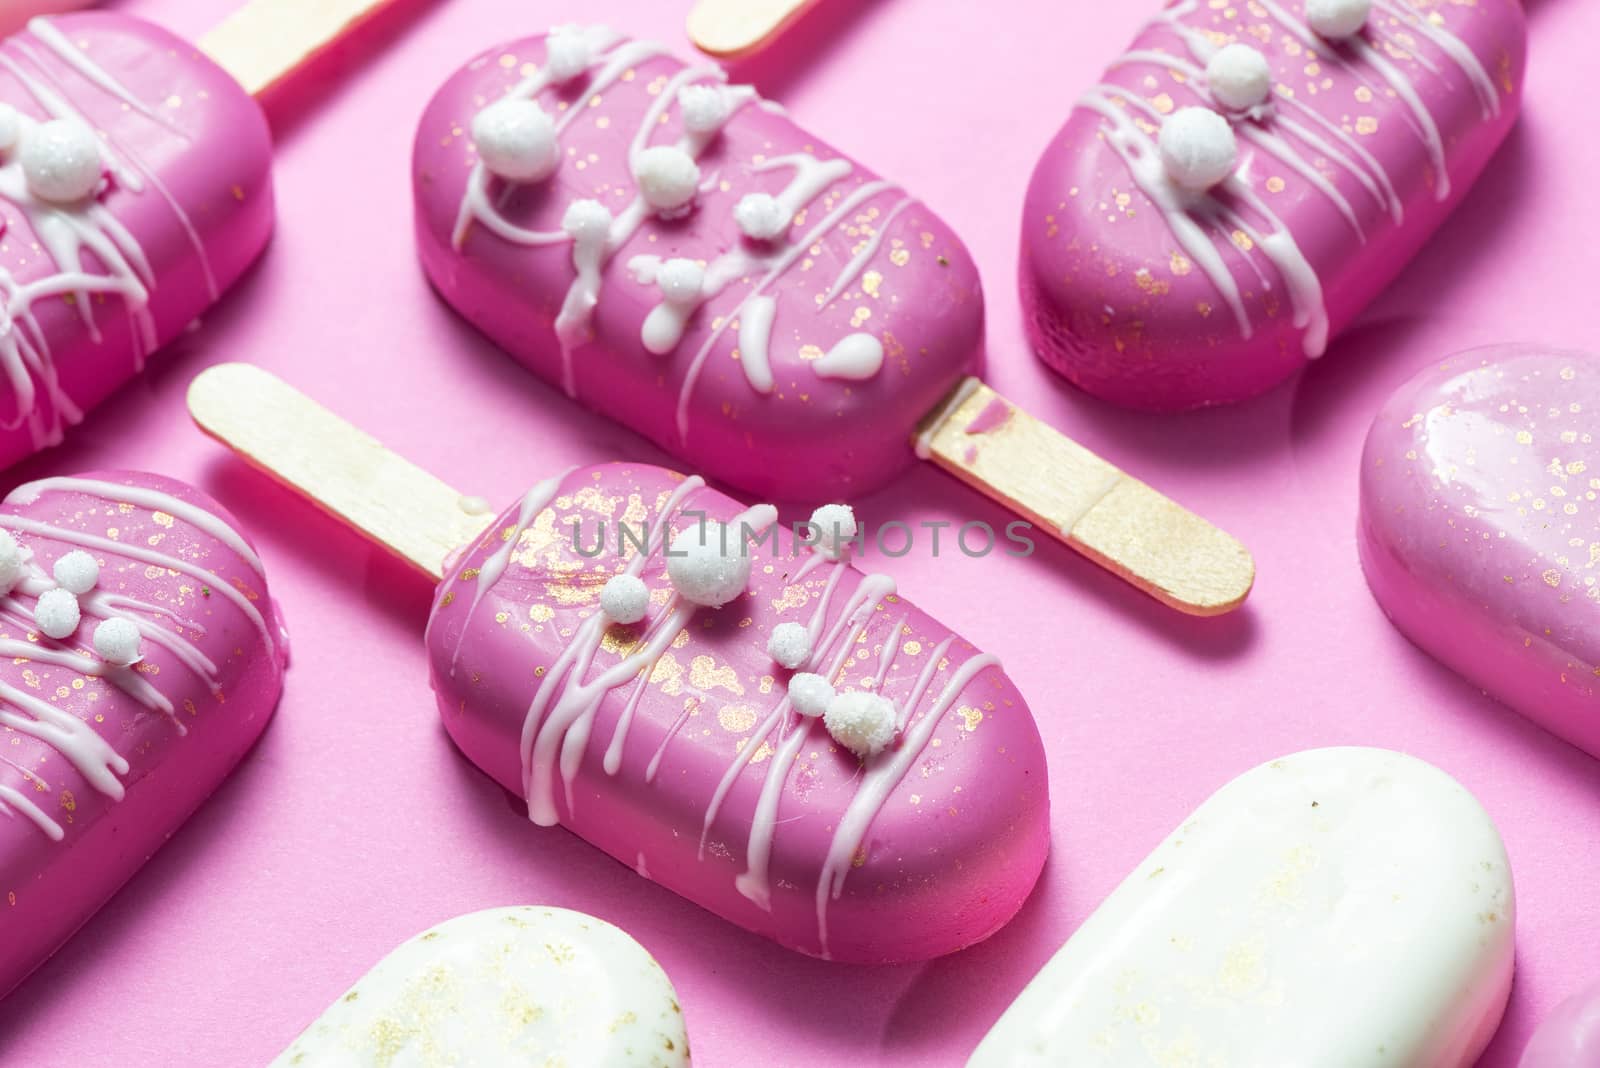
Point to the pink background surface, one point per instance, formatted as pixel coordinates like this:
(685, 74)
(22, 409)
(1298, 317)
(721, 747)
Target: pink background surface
(355, 824)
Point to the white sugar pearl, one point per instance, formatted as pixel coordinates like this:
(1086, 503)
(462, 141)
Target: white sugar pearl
(1337, 19)
(117, 641)
(1198, 148)
(10, 128)
(625, 598)
(862, 722)
(709, 564)
(566, 54)
(77, 572)
(833, 526)
(11, 560)
(516, 140)
(810, 693)
(761, 217)
(61, 160)
(790, 644)
(587, 220)
(681, 280)
(1239, 76)
(704, 108)
(57, 613)
(668, 179)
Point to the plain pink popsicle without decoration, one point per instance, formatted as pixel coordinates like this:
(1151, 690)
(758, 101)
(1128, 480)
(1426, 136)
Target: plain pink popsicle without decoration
(796, 364)
(1479, 531)
(1350, 151)
(660, 727)
(101, 760)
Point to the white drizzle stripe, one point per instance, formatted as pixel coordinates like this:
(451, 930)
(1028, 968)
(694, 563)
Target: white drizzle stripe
(784, 261)
(79, 61)
(541, 733)
(156, 501)
(1456, 49)
(56, 41)
(859, 261)
(924, 442)
(15, 800)
(755, 335)
(1137, 151)
(882, 774)
(85, 750)
(135, 552)
(583, 296)
(124, 678)
(25, 353)
(754, 882)
(534, 501)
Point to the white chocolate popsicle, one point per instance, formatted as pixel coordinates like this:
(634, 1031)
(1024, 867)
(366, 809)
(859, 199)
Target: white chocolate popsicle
(1336, 907)
(504, 987)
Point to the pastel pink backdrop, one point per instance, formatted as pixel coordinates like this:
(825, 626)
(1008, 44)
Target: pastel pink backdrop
(355, 824)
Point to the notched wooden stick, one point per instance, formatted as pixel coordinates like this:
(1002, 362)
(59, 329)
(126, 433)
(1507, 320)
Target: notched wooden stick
(1115, 520)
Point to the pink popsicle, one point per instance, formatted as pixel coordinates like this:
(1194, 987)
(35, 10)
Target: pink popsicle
(703, 776)
(101, 760)
(751, 300)
(1479, 532)
(1569, 1037)
(664, 703)
(94, 286)
(1147, 285)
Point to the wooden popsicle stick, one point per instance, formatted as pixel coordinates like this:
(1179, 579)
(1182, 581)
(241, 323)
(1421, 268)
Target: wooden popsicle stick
(265, 41)
(1115, 520)
(342, 470)
(729, 28)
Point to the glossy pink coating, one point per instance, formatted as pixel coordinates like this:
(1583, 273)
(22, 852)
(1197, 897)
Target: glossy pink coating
(1480, 531)
(868, 258)
(101, 764)
(15, 13)
(951, 820)
(1570, 1036)
(186, 204)
(1154, 298)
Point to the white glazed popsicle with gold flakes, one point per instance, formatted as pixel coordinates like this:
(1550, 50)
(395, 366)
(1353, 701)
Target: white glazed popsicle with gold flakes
(505, 986)
(1336, 907)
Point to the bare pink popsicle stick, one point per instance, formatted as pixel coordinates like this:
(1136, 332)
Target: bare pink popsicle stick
(674, 742)
(102, 760)
(1341, 156)
(1480, 532)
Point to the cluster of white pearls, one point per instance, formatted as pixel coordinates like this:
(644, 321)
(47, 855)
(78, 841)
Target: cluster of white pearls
(57, 612)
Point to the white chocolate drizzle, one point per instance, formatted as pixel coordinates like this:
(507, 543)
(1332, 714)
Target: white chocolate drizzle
(557, 727)
(67, 231)
(666, 323)
(1190, 216)
(90, 755)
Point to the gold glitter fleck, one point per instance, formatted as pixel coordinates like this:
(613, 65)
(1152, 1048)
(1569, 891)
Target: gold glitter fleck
(1366, 125)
